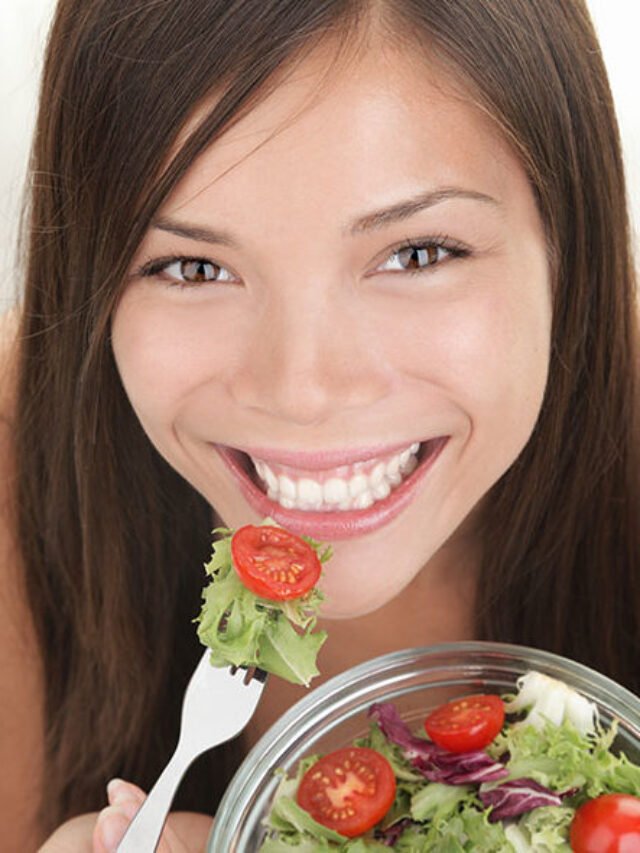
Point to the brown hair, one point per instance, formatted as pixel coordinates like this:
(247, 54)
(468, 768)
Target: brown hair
(112, 539)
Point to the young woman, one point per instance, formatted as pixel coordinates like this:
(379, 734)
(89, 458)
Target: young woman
(275, 245)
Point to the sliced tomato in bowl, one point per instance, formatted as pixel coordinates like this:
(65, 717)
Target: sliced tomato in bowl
(466, 724)
(274, 563)
(349, 790)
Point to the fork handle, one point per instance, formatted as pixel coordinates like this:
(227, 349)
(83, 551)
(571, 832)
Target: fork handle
(143, 835)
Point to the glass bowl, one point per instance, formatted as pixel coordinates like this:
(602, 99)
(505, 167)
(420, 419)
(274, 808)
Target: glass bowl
(415, 680)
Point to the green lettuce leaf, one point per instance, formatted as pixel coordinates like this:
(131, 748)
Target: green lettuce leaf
(561, 758)
(545, 830)
(438, 802)
(467, 831)
(243, 629)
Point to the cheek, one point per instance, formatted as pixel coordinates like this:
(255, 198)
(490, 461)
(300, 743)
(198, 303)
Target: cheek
(487, 352)
(164, 350)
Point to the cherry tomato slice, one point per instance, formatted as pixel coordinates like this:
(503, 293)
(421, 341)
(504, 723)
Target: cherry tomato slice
(348, 790)
(608, 824)
(465, 724)
(274, 563)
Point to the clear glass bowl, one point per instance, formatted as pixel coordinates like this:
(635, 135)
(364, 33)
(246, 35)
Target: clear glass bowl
(416, 680)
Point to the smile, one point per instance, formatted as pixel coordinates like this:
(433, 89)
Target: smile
(355, 486)
(332, 495)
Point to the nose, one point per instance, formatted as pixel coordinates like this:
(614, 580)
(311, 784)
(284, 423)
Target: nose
(308, 354)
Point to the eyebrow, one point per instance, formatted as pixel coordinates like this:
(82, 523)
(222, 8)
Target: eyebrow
(366, 222)
(408, 207)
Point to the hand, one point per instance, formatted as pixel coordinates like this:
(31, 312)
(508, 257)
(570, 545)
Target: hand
(184, 832)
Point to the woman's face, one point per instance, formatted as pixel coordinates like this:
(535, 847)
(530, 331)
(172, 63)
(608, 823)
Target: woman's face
(341, 318)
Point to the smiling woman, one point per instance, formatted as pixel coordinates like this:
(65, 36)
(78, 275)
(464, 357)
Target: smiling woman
(390, 333)
(360, 267)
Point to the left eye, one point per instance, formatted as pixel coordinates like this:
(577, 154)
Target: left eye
(196, 271)
(414, 258)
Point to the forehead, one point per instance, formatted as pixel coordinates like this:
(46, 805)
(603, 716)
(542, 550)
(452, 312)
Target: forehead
(333, 133)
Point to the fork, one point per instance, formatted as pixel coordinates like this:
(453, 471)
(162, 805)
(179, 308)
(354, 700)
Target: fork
(217, 705)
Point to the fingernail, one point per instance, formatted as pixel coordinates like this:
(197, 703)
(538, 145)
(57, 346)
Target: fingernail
(119, 792)
(116, 789)
(112, 825)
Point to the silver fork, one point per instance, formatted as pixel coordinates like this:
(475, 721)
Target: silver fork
(217, 705)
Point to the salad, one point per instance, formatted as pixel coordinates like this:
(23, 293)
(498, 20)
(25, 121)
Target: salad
(532, 771)
(260, 607)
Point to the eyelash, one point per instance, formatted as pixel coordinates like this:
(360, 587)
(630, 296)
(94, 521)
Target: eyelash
(454, 248)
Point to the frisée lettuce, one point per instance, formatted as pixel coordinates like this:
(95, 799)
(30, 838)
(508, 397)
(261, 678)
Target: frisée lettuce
(517, 795)
(243, 629)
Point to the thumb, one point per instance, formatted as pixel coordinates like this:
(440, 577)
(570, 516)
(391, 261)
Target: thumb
(125, 800)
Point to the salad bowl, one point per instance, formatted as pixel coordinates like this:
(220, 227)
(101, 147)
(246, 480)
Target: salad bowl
(416, 680)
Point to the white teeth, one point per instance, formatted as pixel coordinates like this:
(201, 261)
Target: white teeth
(381, 490)
(403, 457)
(335, 491)
(364, 500)
(378, 474)
(355, 486)
(287, 487)
(409, 466)
(270, 477)
(358, 485)
(310, 493)
(393, 466)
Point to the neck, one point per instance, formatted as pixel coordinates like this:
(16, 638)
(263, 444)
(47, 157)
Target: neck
(436, 607)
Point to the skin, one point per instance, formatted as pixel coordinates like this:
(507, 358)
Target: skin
(315, 342)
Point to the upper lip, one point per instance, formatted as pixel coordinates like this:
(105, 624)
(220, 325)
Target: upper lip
(318, 460)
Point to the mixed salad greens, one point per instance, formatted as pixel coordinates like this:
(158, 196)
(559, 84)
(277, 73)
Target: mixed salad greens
(533, 773)
(260, 607)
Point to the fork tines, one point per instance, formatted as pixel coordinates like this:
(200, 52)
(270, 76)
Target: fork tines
(251, 672)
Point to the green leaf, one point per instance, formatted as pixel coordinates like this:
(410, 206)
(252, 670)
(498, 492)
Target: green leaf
(243, 629)
(438, 802)
(560, 757)
(286, 653)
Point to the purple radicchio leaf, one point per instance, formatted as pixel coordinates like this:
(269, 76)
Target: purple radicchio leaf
(432, 761)
(462, 768)
(397, 731)
(392, 833)
(517, 797)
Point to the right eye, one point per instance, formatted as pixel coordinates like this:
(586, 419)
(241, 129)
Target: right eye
(188, 272)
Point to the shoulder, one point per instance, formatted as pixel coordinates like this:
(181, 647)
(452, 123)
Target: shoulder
(20, 677)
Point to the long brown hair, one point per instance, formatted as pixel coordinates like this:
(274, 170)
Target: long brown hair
(112, 539)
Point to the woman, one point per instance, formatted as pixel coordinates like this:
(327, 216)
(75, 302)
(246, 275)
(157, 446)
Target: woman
(288, 241)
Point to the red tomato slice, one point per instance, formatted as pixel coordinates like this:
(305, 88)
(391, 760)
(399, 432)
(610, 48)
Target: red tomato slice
(608, 824)
(349, 790)
(274, 563)
(468, 723)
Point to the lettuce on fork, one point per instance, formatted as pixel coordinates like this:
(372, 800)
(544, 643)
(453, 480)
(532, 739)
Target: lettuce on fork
(243, 629)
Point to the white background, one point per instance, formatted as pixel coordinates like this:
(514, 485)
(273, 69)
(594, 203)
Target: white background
(23, 26)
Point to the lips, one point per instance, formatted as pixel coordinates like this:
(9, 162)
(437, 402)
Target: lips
(336, 502)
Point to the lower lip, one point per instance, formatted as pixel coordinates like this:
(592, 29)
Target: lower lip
(334, 525)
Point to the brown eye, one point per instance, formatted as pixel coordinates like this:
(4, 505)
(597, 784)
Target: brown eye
(414, 258)
(199, 271)
(417, 257)
(196, 271)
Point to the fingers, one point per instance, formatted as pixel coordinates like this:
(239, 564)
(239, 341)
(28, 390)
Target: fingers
(125, 799)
